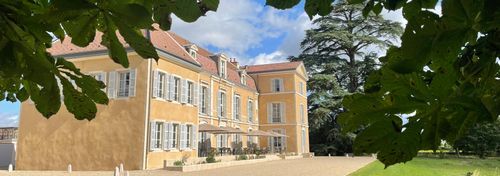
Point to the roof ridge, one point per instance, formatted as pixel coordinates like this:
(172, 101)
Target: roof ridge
(275, 63)
(183, 49)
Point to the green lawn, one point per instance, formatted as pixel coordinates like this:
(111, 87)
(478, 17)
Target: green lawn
(433, 167)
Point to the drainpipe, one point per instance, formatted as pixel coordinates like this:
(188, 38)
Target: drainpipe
(148, 108)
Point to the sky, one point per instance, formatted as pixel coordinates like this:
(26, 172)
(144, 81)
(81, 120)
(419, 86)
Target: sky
(243, 29)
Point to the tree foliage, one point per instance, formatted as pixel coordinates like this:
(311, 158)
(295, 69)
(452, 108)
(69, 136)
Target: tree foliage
(28, 27)
(444, 78)
(338, 55)
(445, 72)
(482, 139)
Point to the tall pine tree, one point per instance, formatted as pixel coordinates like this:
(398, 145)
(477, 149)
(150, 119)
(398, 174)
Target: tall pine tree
(339, 53)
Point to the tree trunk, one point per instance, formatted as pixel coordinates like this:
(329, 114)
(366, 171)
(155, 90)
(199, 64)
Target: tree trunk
(353, 77)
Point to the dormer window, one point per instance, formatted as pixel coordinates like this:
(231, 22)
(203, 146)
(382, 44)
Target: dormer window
(192, 53)
(192, 49)
(223, 69)
(243, 79)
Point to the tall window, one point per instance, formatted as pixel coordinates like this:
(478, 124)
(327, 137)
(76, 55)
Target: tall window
(175, 132)
(278, 143)
(243, 79)
(276, 112)
(177, 88)
(221, 140)
(222, 69)
(277, 85)
(301, 88)
(156, 134)
(160, 88)
(250, 138)
(302, 116)
(204, 100)
(250, 110)
(190, 92)
(222, 104)
(189, 130)
(125, 83)
(237, 107)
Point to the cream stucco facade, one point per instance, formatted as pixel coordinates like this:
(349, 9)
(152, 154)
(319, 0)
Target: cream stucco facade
(156, 108)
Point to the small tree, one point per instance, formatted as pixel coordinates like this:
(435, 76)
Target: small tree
(338, 57)
(482, 139)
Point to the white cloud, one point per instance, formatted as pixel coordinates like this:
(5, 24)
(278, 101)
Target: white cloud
(9, 120)
(241, 25)
(265, 58)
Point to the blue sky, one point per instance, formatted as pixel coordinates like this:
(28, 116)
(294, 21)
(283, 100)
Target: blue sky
(243, 29)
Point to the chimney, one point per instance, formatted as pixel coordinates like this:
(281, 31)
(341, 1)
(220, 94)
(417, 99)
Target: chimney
(233, 61)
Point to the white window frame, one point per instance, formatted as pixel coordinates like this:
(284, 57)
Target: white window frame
(275, 140)
(175, 136)
(190, 92)
(222, 104)
(250, 111)
(302, 115)
(189, 136)
(237, 107)
(301, 88)
(157, 135)
(161, 85)
(223, 68)
(204, 99)
(177, 89)
(276, 109)
(277, 85)
(130, 88)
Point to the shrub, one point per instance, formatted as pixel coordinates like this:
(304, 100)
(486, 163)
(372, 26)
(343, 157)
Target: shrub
(178, 163)
(243, 157)
(211, 156)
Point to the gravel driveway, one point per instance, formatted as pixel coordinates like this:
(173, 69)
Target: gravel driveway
(317, 166)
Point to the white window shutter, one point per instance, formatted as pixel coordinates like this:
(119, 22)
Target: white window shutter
(209, 104)
(194, 137)
(153, 135)
(269, 112)
(183, 136)
(132, 84)
(166, 131)
(282, 86)
(171, 136)
(183, 90)
(200, 99)
(156, 83)
(195, 93)
(233, 107)
(217, 136)
(166, 85)
(112, 85)
(219, 104)
(273, 89)
(282, 113)
(171, 87)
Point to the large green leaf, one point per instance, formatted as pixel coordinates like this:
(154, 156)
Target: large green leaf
(318, 7)
(279, 4)
(187, 10)
(82, 30)
(134, 38)
(115, 48)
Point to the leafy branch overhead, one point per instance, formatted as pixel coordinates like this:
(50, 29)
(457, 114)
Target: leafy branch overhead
(443, 79)
(28, 71)
(444, 76)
